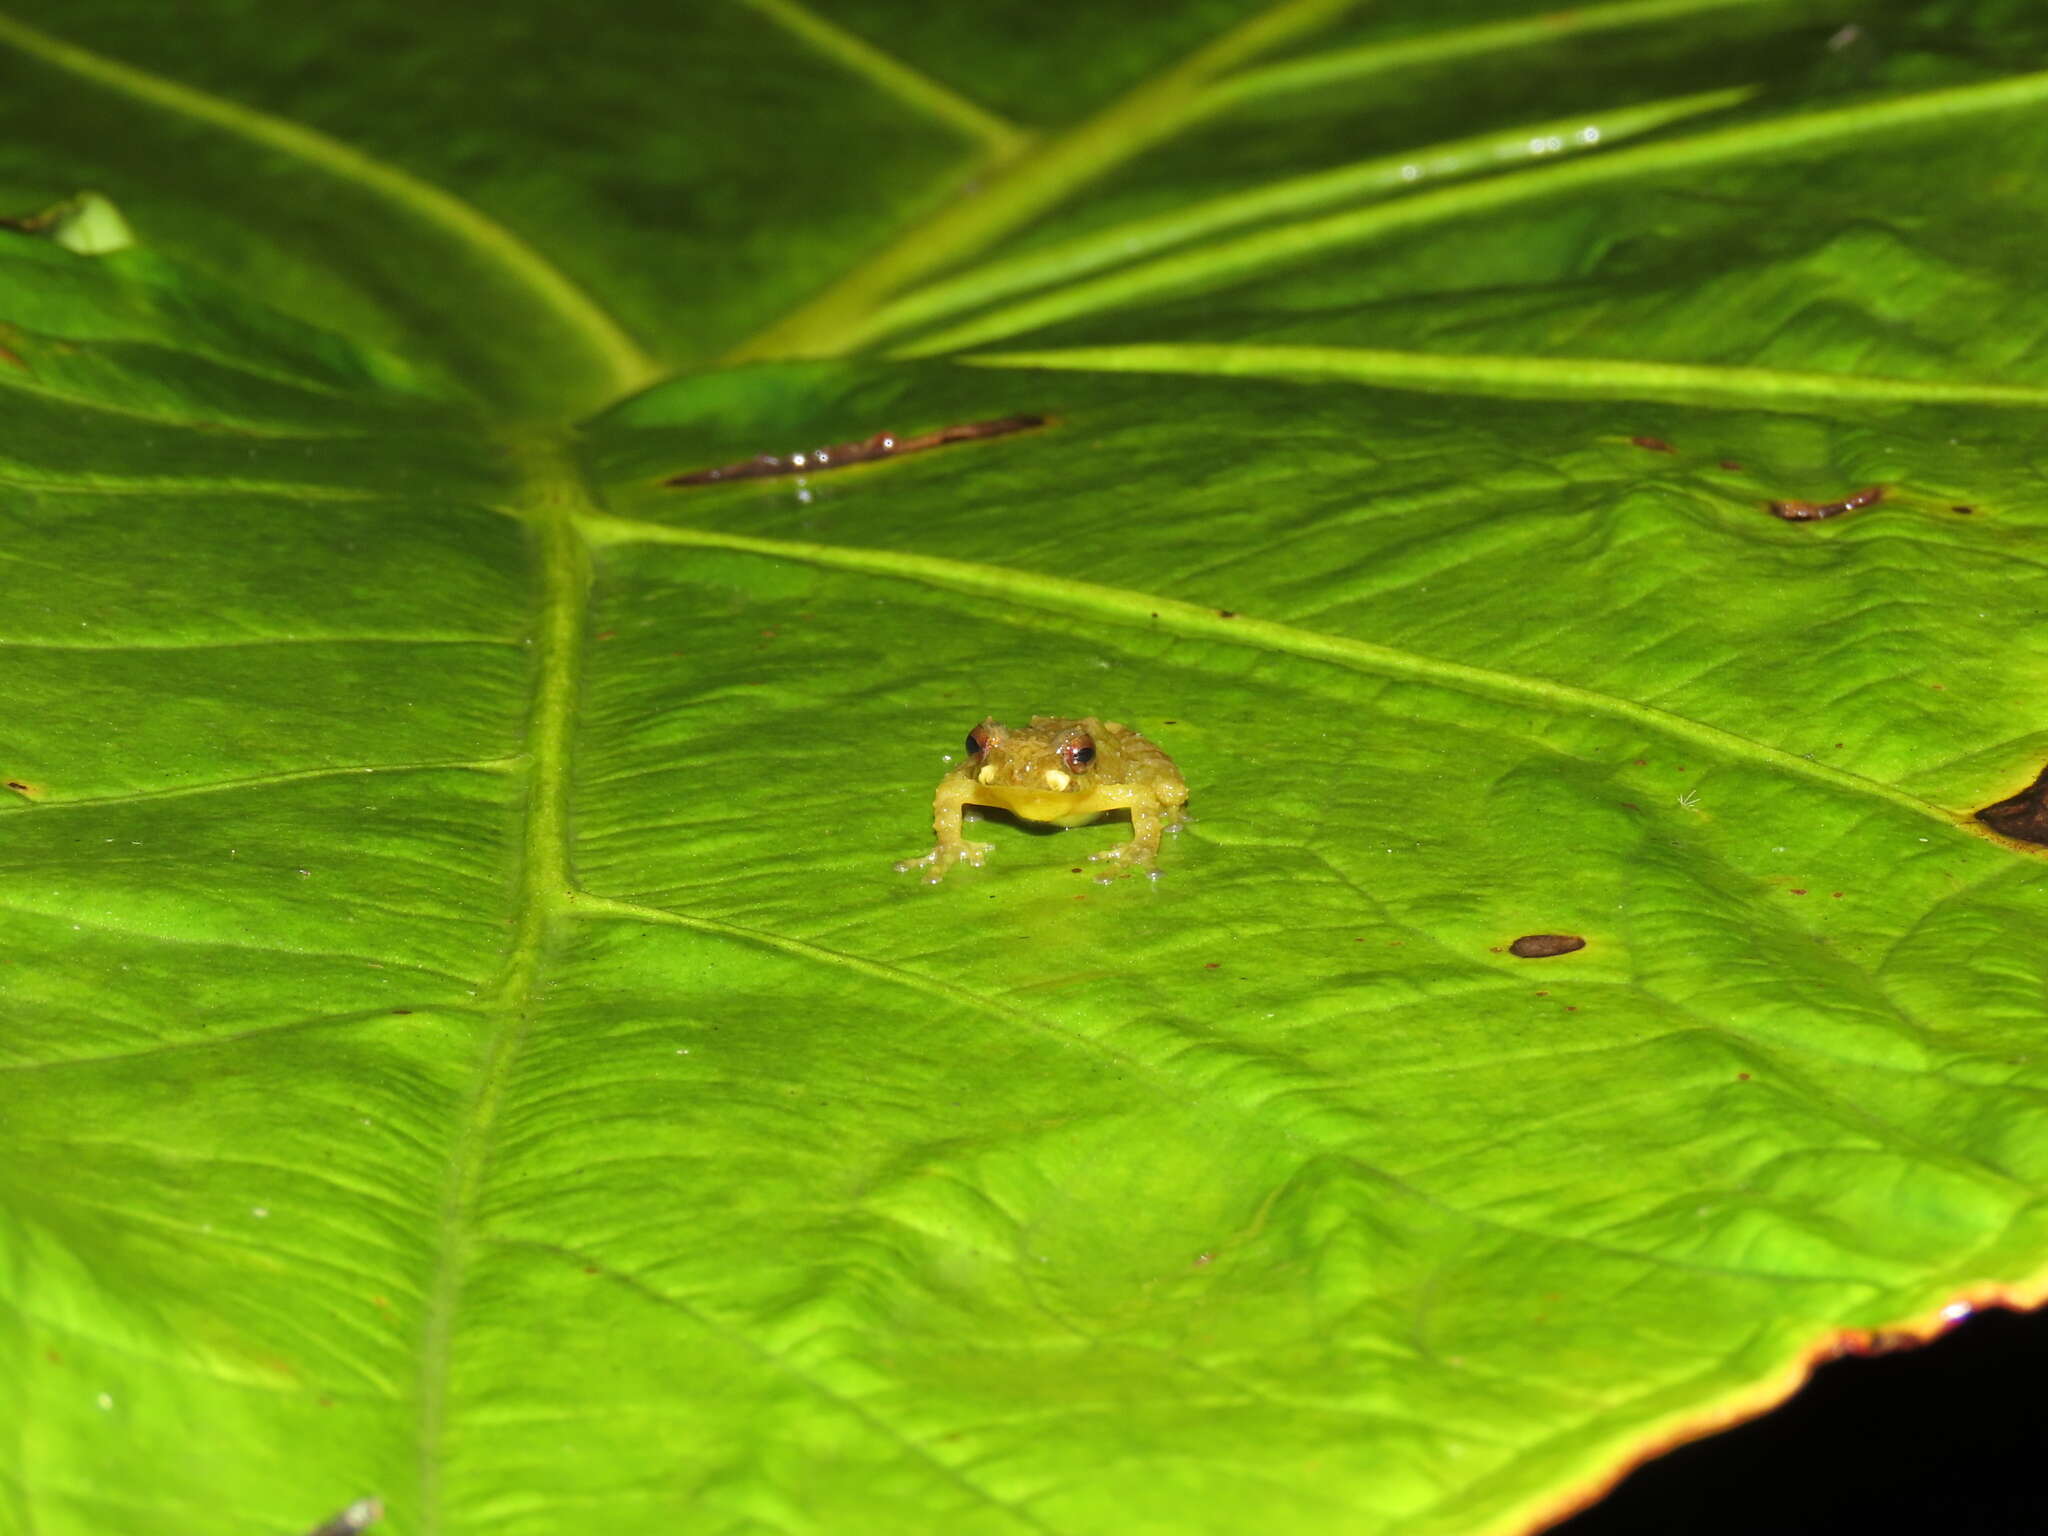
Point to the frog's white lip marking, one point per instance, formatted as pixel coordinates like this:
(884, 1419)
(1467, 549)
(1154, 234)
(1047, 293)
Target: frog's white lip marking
(987, 774)
(1054, 779)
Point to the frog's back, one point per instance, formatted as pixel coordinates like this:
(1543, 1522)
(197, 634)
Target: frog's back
(1140, 760)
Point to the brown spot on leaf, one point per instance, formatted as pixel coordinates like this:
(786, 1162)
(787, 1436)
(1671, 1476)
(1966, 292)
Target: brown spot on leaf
(1541, 946)
(1735, 464)
(26, 790)
(1226, 613)
(1963, 511)
(1654, 444)
(883, 445)
(1815, 511)
(2022, 817)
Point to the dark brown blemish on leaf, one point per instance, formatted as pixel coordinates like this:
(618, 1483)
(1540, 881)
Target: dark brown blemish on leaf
(1963, 511)
(1654, 444)
(1226, 613)
(1541, 946)
(1734, 464)
(2022, 817)
(25, 789)
(883, 445)
(1814, 511)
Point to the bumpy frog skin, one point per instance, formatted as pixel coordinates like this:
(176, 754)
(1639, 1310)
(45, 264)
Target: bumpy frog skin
(1065, 772)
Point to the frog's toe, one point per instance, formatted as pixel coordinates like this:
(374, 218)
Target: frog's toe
(1122, 861)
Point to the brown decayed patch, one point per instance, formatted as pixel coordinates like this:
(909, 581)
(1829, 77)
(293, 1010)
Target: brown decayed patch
(883, 445)
(1815, 511)
(23, 788)
(1541, 946)
(1654, 444)
(2022, 817)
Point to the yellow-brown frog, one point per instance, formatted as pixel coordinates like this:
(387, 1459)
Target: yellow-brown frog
(1066, 773)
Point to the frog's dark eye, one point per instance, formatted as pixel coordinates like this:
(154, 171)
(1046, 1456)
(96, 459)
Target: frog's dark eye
(1078, 752)
(977, 742)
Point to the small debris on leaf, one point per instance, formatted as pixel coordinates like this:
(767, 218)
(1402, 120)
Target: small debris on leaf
(883, 445)
(1654, 444)
(86, 225)
(1814, 511)
(359, 1516)
(1541, 946)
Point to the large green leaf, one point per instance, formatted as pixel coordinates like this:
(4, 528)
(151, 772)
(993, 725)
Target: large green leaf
(465, 1044)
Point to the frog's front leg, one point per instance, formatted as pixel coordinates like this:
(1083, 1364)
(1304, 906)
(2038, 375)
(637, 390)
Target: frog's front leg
(953, 797)
(1149, 818)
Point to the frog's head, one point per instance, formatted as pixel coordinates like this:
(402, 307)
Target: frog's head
(1059, 756)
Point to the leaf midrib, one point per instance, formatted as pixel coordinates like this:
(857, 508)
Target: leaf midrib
(552, 494)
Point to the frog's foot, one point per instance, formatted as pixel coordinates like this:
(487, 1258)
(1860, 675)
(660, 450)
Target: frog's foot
(1127, 858)
(943, 857)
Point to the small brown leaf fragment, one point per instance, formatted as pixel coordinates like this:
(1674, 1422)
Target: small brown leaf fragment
(1963, 511)
(2022, 817)
(883, 445)
(1654, 444)
(1541, 946)
(1815, 511)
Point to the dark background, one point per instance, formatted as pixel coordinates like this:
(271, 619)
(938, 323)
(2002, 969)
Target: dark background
(1947, 1439)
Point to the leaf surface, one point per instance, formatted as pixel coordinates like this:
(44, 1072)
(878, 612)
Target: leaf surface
(466, 1044)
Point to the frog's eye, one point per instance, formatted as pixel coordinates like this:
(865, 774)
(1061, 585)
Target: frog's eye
(1078, 752)
(977, 742)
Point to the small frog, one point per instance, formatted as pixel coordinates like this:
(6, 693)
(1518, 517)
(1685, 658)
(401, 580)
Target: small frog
(1065, 772)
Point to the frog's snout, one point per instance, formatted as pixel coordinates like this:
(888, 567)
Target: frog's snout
(1027, 777)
